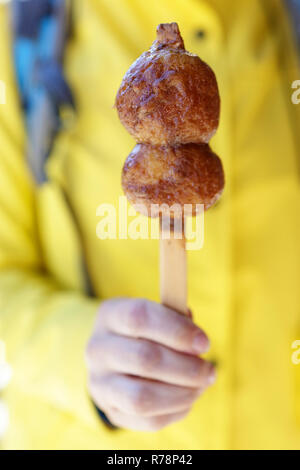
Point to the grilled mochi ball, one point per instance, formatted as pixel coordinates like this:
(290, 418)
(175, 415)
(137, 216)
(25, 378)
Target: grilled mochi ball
(163, 176)
(169, 96)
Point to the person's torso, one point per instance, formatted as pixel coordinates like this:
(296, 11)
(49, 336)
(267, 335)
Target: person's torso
(244, 282)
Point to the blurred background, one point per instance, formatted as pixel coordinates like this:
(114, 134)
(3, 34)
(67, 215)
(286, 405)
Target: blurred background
(62, 149)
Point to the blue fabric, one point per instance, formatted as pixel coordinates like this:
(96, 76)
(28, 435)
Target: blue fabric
(24, 57)
(104, 418)
(39, 34)
(47, 35)
(49, 74)
(27, 15)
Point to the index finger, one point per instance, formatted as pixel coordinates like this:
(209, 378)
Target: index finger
(140, 318)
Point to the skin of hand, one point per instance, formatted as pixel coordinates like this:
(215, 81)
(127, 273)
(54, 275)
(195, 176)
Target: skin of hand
(143, 366)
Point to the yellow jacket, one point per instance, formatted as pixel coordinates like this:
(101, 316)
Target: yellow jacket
(244, 283)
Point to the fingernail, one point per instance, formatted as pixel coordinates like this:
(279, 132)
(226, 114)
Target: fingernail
(189, 314)
(201, 343)
(212, 375)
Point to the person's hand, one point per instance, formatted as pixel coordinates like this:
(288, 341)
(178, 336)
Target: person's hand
(144, 369)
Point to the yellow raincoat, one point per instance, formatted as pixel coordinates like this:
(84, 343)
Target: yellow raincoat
(244, 285)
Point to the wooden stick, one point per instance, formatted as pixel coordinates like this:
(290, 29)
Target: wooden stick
(173, 267)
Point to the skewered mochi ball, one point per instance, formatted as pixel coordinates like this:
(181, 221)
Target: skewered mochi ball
(186, 174)
(169, 96)
(169, 102)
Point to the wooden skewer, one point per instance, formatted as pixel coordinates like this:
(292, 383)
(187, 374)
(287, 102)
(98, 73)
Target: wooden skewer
(173, 267)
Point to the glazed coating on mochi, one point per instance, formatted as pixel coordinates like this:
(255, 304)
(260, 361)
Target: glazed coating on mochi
(184, 174)
(169, 96)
